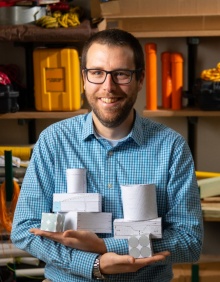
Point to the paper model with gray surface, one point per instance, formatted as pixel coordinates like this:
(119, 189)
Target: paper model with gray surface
(140, 218)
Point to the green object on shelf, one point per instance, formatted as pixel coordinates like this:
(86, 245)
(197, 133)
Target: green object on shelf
(8, 175)
(195, 273)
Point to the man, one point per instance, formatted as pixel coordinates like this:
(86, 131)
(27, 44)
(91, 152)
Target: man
(117, 147)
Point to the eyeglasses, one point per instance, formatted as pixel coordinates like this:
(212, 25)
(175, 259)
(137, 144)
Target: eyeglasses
(97, 76)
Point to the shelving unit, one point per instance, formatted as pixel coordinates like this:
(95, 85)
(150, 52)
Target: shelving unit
(189, 27)
(185, 112)
(30, 36)
(42, 115)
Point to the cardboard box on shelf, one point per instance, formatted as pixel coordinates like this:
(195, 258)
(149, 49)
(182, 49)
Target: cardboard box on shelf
(195, 26)
(159, 8)
(161, 18)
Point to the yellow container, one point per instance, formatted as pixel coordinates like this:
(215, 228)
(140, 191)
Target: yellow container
(57, 79)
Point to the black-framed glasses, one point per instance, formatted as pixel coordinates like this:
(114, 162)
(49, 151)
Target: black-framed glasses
(98, 76)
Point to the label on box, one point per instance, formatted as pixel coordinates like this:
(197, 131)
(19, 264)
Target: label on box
(55, 79)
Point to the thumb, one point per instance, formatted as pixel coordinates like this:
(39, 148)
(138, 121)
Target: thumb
(130, 259)
(70, 233)
(124, 259)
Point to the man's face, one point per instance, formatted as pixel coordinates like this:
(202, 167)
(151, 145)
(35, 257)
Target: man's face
(111, 103)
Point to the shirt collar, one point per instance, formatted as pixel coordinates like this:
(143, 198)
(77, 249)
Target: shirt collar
(136, 133)
(88, 129)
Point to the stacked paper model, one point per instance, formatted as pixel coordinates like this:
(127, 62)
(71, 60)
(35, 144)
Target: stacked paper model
(77, 209)
(141, 222)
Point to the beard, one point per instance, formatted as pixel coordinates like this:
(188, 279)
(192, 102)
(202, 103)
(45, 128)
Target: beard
(115, 116)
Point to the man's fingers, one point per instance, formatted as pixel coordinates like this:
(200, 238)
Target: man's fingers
(163, 254)
(47, 234)
(127, 259)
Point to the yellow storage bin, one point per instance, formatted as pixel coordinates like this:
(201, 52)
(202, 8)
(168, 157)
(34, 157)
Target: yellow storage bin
(57, 79)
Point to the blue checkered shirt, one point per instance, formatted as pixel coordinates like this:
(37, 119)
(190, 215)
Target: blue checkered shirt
(152, 153)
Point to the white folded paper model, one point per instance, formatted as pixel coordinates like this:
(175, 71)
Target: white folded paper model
(52, 222)
(123, 229)
(82, 202)
(97, 222)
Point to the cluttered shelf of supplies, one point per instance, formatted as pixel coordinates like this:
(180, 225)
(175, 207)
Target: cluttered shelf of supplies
(17, 265)
(209, 183)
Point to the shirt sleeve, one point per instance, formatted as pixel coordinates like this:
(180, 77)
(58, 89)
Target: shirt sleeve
(36, 196)
(182, 221)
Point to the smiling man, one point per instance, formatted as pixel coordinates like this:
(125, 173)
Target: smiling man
(117, 147)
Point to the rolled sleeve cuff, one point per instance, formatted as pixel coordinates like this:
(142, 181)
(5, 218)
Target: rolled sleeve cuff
(118, 246)
(82, 264)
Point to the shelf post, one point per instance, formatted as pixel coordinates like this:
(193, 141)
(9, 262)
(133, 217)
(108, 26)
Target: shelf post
(8, 175)
(192, 121)
(192, 61)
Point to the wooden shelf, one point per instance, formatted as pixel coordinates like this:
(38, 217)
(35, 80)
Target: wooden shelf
(173, 33)
(185, 112)
(32, 33)
(42, 115)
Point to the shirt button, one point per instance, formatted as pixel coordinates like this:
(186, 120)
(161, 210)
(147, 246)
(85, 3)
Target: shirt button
(110, 153)
(109, 185)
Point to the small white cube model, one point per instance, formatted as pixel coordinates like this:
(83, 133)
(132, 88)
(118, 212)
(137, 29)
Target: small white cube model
(52, 222)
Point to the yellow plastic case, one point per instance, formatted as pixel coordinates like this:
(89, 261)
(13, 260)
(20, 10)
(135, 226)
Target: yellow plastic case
(57, 79)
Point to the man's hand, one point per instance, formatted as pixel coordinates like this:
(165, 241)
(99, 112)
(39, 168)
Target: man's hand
(81, 240)
(111, 263)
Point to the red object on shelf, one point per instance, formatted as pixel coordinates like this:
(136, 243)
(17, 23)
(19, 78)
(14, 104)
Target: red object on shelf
(6, 3)
(4, 80)
(61, 6)
(10, 3)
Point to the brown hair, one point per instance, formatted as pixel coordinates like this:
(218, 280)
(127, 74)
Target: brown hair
(116, 37)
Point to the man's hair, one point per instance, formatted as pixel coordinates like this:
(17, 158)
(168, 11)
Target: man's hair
(116, 37)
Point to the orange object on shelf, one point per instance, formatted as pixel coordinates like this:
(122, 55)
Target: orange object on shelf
(177, 80)
(151, 76)
(166, 80)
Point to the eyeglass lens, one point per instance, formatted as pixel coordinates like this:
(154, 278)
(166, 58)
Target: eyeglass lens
(118, 76)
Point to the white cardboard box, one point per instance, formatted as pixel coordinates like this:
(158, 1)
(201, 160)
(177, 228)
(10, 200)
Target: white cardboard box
(123, 229)
(82, 202)
(97, 222)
